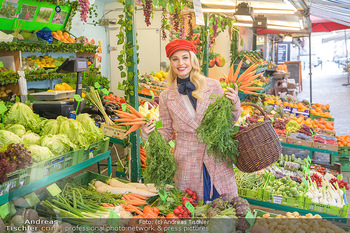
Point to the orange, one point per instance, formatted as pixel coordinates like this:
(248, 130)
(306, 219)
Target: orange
(66, 35)
(59, 32)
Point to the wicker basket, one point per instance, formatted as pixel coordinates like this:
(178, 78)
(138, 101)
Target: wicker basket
(258, 145)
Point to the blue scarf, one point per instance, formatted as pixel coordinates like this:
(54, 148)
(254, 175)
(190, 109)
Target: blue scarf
(186, 87)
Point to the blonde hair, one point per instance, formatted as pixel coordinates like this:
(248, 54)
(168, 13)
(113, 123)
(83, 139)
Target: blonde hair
(196, 78)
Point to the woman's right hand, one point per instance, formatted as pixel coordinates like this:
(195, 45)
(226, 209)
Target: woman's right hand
(148, 128)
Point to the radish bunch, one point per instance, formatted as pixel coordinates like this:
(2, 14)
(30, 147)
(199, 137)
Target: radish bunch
(84, 5)
(181, 211)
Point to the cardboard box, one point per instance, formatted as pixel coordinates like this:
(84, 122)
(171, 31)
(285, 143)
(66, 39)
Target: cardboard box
(324, 146)
(299, 142)
(279, 90)
(282, 138)
(113, 130)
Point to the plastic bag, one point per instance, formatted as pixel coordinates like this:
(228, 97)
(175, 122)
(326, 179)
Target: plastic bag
(45, 34)
(291, 166)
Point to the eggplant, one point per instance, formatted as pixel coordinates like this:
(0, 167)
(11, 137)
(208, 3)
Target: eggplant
(94, 110)
(114, 106)
(97, 118)
(109, 111)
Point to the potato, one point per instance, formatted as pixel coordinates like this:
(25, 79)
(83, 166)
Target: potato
(267, 215)
(322, 230)
(296, 214)
(309, 215)
(317, 216)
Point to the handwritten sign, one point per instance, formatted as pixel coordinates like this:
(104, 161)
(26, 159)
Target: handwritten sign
(171, 144)
(163, 195)
(250, 218)
(32, 199)
(113, 219)
(159, 124)
(54, 190)
(97, 85)
(190, 207)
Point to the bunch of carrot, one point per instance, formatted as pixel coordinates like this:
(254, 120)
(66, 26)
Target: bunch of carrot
(143, 156)
(245, 80)
(134, 199)
(133, 118)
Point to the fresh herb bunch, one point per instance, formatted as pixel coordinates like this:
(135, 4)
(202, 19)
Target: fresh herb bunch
(216, 131)
(174, 198)
(161, 166)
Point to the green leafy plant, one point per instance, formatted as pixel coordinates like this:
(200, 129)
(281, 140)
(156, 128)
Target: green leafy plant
(8, 77)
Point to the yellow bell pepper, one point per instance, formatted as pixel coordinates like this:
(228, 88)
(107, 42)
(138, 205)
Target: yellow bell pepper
(59, 87)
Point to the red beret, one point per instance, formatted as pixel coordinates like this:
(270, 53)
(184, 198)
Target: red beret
(179, 44)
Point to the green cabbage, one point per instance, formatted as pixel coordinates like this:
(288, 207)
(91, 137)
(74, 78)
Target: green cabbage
(7, 137)
(30, 138)
(17, 129)
(95, 133)
(22, 114)
(40, 153)
(75, 132)
(58, 144)
(47, 127)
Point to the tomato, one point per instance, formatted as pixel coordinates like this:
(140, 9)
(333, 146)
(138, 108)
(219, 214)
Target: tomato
(111, 97)
(176, 211)
(155, 210)
(184, 198)
(171, 215)
(190, 193)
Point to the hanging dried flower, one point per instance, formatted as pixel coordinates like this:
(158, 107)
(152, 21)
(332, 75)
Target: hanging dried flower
(182, 31)
(190, 27)
(164, 22)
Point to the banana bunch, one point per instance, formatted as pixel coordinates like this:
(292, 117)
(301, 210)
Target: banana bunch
(152, 114)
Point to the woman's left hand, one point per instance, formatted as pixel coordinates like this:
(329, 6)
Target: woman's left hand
(232, 94)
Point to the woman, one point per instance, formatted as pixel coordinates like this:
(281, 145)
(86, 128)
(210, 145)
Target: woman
(181, 109)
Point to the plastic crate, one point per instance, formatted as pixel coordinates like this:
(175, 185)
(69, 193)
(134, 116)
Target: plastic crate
(344, 150)
(256, 195)
(95, 149)
(328, 209)
(288, 201)
(16, 180)
(345, 163)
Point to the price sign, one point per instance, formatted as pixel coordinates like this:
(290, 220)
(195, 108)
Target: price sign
(106, 92)
(113, 219)
(77, 98)
(97, 85)
(4, 210)
(3, 109)
(250, 218)
(277, 199)
(32, 199)
(1, 64)
(190, 207)
(123, 107)
(163, 195)
(57, 63)
(54, 190)
(159, 124)
(152, 94)
(172, 144)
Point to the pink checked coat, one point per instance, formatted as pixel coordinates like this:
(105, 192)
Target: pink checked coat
(190, 154)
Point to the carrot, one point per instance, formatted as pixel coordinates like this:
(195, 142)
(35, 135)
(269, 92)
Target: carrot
(234, 78)
(129, 119)
(111, 205)
(139, 196)
(133, 110)
(121, 115)
(143, 165)
(143, 159)
(133, 123)
(126, 114)
(132, 197)
(250, 69)
(248, 84)
(126, 197)
(241, 78)
(132, 129)
(105, 204)
(123, 198)
(136, 210)
(252, 78)
(250, 92)
(252, 88)
(230, 74)
(136, 202)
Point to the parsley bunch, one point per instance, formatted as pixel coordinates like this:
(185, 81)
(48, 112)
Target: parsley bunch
(216, 131)
(161, 166)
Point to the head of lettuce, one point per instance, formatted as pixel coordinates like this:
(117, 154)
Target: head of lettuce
(22, 114)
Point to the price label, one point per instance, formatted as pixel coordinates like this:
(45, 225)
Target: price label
(4, 210)
(97, 85)
(277, 199)
(1, 64)
(3, 108)
(113, 219)
(123, 107)
(32, 199)
(159, 124)
(105, 91)
(77, 97)
(171, 144)
(57, 63)
(250, 218)
(147, 80)
(152, 94)
(163, 195)
(54, 190)
(190, 207)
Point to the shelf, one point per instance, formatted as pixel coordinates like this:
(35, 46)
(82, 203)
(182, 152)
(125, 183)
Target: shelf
(292, 209)
(55, 177)
(311, 149)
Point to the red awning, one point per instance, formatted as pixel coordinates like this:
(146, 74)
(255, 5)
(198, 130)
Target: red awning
(318, 25)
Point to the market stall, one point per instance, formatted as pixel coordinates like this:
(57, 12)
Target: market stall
(71, 119)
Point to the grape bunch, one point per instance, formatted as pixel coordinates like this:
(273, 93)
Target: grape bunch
(305, 129)
(164, 21)
(147, 11)
(279, 124)
(253, 119)
(84, 5)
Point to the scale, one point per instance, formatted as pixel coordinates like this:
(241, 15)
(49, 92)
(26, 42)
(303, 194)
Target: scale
(51, 104)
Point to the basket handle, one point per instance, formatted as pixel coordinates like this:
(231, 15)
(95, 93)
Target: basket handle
(256, 106)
